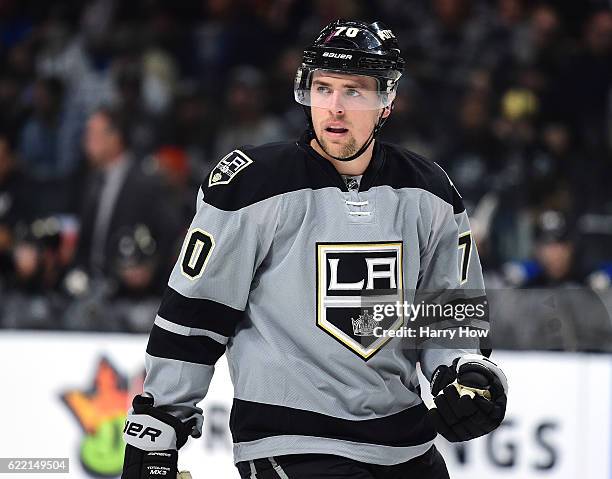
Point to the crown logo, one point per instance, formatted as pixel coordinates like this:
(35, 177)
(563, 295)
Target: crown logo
(364, 325)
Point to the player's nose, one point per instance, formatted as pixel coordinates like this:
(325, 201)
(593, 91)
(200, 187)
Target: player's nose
(335, 104)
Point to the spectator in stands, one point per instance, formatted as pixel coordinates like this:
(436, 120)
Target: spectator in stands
(556, 174)
(411, 126)
(589, 80)
(12, 111)
(542, 58)
(172, 163)
(33, 296)
(39, 137)
(134, 261)
(247, 122)
(543, 43)
(119, 195)
(279, 88)
(472, 154)
(509, 27)
(587, 108)
(84, 63)
(15, 198)
(37, 256)
(554, 255)
(194, 128)
(555, 250)
(450, 43)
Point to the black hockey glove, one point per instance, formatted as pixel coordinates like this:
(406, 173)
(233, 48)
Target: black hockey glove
(153, 439)
(470, 398)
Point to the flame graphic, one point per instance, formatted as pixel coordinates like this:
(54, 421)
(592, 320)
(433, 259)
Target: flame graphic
(108, 398)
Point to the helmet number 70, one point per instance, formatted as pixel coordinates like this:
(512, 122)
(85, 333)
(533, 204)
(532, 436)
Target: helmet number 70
(349, 32)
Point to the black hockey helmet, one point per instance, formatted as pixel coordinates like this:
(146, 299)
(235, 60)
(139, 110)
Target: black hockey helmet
(354, 48)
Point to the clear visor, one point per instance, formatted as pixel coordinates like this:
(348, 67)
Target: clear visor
(331, 89)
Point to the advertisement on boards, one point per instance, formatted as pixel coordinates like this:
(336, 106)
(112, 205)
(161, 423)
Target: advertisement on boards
(66, 396)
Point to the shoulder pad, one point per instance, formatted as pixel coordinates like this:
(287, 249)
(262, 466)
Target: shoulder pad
(410, 170)
(247, 175)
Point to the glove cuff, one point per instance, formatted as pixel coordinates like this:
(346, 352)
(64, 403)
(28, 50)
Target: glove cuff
(476, 361)
(150, 429)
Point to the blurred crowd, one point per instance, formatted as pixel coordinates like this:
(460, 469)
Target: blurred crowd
(112, 113)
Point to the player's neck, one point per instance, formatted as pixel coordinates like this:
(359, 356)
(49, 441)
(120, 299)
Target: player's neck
(354, 167)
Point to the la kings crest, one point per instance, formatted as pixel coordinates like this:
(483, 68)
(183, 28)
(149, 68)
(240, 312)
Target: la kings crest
(351, 278)
(229, 166)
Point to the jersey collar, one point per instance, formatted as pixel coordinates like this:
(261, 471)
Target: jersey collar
(369, 176)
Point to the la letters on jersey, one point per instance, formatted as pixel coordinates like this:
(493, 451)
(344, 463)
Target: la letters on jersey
(350, 276)
(229, 166)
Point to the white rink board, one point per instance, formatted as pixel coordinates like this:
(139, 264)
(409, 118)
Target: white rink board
(558, 424)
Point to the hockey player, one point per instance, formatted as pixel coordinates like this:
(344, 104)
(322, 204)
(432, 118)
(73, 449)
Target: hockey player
(288, 243)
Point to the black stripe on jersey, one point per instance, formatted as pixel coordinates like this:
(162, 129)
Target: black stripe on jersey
(199, 313)
(250, 421)
(193, 349)
(406, 169)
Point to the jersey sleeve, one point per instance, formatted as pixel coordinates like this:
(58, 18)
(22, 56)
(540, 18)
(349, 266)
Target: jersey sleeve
(451, 274)
(206, 297)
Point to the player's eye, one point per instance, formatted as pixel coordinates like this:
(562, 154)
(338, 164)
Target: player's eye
(351, 92)
(323, 90)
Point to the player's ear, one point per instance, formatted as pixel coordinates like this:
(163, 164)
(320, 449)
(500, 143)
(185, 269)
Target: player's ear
(387, 110)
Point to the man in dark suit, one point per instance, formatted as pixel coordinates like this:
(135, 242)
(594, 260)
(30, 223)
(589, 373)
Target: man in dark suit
(120, 196)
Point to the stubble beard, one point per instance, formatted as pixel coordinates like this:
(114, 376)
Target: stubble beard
(347, 149)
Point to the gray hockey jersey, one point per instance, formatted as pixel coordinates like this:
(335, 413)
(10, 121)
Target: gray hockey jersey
(274, 272)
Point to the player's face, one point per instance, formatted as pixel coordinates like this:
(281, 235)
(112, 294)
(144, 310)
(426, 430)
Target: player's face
(342, 120)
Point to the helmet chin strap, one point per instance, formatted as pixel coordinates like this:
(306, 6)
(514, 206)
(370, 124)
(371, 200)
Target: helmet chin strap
(379, 124)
